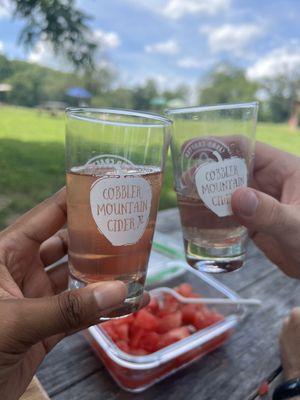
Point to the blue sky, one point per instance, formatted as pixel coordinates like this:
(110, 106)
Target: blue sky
(177, 41)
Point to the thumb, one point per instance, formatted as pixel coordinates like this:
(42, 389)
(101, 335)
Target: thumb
(37, 319)
(261, 212)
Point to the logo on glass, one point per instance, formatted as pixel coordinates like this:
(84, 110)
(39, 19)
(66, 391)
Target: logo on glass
(216, 173)
(205, 149)
(107, 160)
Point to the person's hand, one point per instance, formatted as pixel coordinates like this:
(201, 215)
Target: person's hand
(290, 345)
(271, 211)
(34, 314)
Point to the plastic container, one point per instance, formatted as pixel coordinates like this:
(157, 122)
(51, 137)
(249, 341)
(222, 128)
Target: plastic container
(137, 373)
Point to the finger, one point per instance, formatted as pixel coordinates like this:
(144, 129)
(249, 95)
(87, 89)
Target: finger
(37, 319)
(126, 307)
(51, 342)
(42, 221)
(54, 248)
(286, 321)
(295, 318)
(264, 214)
(273, 168)
(265, 155)
(59, 277)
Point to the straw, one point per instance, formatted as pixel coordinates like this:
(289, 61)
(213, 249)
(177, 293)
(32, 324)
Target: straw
(203, 300)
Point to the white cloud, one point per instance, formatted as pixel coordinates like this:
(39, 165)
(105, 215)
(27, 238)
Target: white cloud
(234, 39)
(178, 8)
(164, 81)
(280, 61)
(189, 62)
(169, 47)
(108, 40)
(5, 9)
(1, 47)
(41, 53)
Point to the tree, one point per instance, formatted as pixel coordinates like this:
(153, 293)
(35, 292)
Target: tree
(118, 98)
(60, 23)
(227, 84)
(27, 87)
(97, 80)
(33, 83)
(180, 92)
(5, 68)
(280, 93)
(142, 95)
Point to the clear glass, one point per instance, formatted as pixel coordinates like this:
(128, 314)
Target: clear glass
(212, 150)
(115, 160)
(137, 373)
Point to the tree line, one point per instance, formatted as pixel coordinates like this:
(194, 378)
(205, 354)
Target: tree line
(33, 84)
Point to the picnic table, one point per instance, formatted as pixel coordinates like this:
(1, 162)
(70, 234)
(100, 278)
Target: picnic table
(233, 372)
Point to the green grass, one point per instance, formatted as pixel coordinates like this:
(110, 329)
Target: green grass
(32, 158)
(280, 136)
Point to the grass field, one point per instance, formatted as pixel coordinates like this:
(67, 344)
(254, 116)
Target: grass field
(32, 158)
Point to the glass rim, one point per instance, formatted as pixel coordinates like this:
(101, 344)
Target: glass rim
(216, 107)
(154, 120)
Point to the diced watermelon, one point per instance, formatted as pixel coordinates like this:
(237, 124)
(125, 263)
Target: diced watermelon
(205, 318)
(149, 342)
(122, 331)
(179, 333)
(109, 329)
(185, 289)
(138, 352)
(174, 335)
(170, 321)
(144, 319)
(188, 313)
(169, 305)
(214, 317)
(162, 323)
(123, 345)
(200, 321)
(153, 305)
(136, 335)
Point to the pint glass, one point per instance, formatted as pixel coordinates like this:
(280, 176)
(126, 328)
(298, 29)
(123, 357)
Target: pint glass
(115, 161)
(212, 150)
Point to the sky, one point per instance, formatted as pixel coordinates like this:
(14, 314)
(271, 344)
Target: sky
(179, 41)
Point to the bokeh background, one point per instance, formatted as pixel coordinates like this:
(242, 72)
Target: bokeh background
(140, 54)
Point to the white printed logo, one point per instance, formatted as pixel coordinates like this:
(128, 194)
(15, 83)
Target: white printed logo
(120, 207)
(107, 160)
(217, 180)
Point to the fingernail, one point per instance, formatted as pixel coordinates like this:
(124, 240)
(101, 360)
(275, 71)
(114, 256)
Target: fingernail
(247, 203)
(110, 294)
